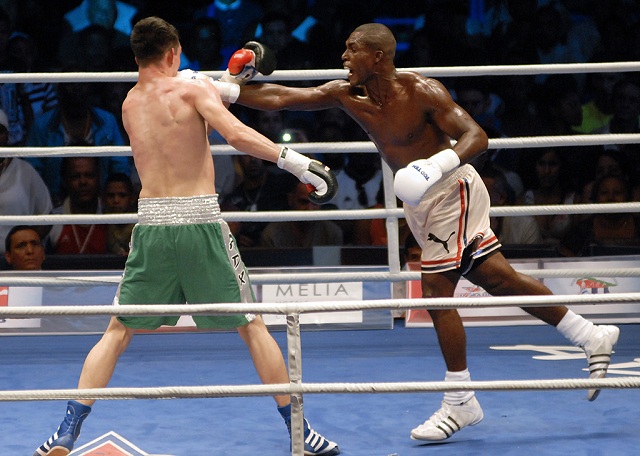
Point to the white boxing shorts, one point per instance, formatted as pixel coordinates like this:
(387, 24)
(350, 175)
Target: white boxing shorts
(453, 215)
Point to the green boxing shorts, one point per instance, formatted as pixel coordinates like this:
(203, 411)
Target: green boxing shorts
(182, 251)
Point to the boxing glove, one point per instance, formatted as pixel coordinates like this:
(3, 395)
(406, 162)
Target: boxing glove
(245, 63)
(322, 183)
(412, 182)
(228, 92)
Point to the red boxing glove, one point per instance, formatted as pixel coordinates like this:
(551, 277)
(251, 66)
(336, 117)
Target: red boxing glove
(247, 62)
(240, 59)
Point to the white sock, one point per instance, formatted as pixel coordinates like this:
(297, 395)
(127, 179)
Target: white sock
(575, 328)
(457, 397)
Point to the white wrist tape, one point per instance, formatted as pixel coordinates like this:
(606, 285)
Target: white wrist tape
(292, 161)
(226, 77)
(446, 159)
(229, 92)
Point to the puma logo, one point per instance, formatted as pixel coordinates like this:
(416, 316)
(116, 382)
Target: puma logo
(434, 238)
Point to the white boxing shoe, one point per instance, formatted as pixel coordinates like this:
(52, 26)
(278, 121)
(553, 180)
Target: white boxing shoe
(449, 420)
(598, 350)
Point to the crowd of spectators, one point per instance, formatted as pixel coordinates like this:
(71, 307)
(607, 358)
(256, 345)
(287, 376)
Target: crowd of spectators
(92, 36)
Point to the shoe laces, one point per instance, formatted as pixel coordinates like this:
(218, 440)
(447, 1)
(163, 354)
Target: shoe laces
(312, 438)
(440, 415)
(71, 425)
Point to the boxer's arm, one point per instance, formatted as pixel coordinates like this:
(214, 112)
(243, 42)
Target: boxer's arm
(276, 97)
(228, 91)
(321, 181)
(455, 122)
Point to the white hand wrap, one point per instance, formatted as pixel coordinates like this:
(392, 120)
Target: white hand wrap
(292, 161)
(229, 92)
(412, 182)
(320, 180)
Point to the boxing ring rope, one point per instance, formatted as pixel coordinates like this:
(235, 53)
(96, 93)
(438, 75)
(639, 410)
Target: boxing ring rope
(199, 392)
(296, 388)
(351, 214)
(316, 306)
(319, 75)
(20, 280)
(336, 147)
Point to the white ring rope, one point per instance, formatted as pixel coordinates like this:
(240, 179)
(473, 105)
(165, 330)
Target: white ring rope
(335, 147)
(353, 214)
(295, 75)
(198, 392)
(317, 306)
(18, 280)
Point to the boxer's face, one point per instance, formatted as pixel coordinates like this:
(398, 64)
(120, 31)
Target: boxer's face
(358, 59)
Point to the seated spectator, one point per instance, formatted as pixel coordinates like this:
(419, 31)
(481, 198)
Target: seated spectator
(560, 113)
(551, 39)
(75, 122)
(42, 20)
(238, 20)
(519, 116)
(550, 185)
(203, 49)
(23, 248)
(512, 30)
(24, 57)
(333, 125)
(81, 181)
(509, 229)
(616, 229)
(475, 96)
(113, 15)
(374, 231)
(419, 53)
(261, 188)
(112, 96)
(625, 118)
(118, 198)
(301, 233)
(359, 181)
(505, 161)
(22, 191)
(412, 252)
(291, 53)
(607, 163)
(331, 132)
(95, 51)
(13, 101)
(268, 123)
(559, 105)
(598, 108)
(625, 103)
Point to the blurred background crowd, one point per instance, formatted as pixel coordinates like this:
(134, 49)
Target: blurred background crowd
(92, 36)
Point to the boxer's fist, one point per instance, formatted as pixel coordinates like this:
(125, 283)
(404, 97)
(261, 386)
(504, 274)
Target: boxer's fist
(228, 92)
(321, 182)
(412, 182)
(247, 62)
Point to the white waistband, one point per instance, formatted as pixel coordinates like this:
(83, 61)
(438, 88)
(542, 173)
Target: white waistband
(179, 210)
